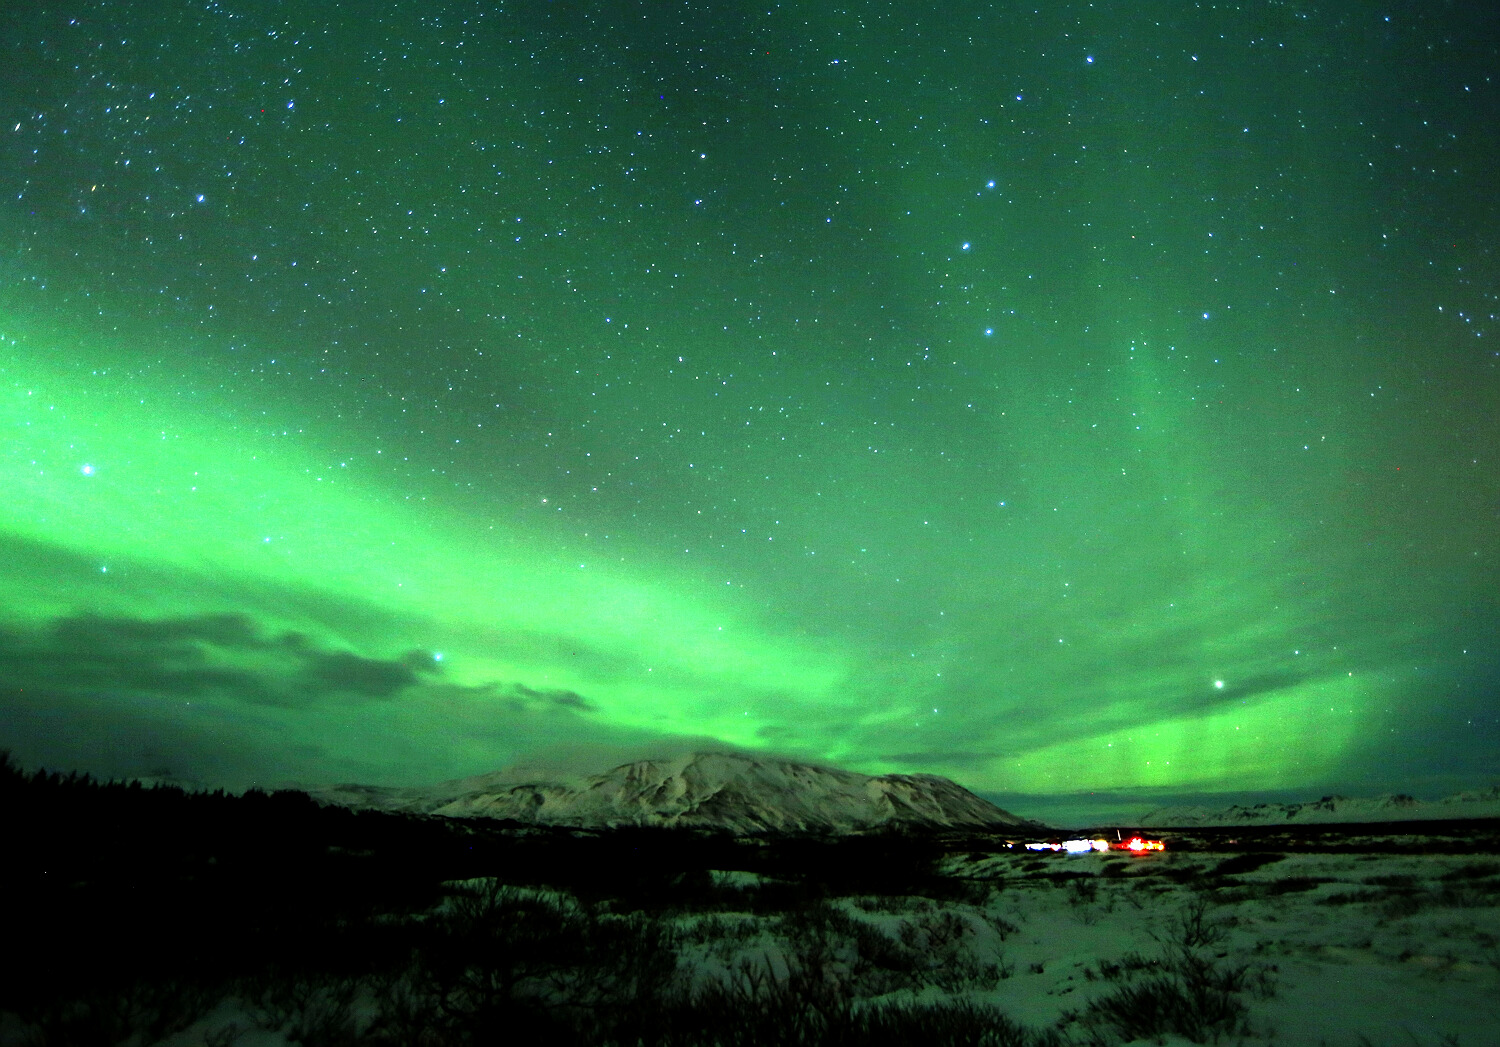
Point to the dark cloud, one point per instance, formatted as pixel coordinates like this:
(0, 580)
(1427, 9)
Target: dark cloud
(566, 699)
(89, 633)
(1257, 686)
(34, 573)
(347, 673)
(227, 656)
(225, 699)
(235, 654)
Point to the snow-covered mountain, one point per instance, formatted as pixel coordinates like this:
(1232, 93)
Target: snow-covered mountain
(738, 793)
(1332, 810)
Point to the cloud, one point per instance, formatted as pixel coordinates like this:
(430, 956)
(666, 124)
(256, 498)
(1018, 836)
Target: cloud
(1254, 686)
(234, 681)
(225, 699)
(345, 673)
(566, 699)
(197, 657)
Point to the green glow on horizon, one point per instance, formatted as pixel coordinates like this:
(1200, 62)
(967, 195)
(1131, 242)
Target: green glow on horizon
(1054, 426)
(167, 487)
(1278, 743)
(117, 477)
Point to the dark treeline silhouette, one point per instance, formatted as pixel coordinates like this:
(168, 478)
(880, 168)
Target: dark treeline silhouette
(133, 910)
(130, 913)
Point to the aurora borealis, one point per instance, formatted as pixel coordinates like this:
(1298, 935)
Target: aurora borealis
(1099, 398)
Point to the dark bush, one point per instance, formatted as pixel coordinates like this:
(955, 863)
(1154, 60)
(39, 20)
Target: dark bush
(1245, 863)
(1183, 994)
(1476, 871)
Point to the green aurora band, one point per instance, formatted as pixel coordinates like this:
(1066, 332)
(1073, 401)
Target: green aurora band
(1124, 474)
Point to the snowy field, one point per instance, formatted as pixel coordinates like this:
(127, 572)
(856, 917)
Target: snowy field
(1169, 948)
(1324, 949)
(135, 917)
(1337, 948)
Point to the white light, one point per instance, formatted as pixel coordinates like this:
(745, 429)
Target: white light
(1219, 684)
(86, 470)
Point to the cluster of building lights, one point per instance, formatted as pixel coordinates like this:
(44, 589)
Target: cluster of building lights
(1136, 845)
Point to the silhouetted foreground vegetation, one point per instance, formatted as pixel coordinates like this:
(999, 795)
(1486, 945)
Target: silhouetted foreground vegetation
(135, 914)
(136, 911)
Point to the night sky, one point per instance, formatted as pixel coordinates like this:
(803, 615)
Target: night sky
(1100, 399)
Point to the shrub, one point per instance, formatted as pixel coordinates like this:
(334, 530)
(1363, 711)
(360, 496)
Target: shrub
(1124, 967)
(1469, 895)
(942, 1025)
(1083, 891)
(1396, 907)
(1184, 994)
(1294, 884)
(1244, 863)
(1476, 871)
(1351, 897)
(1002, 926)
(108, 1015)
(500, 962)
(1155, 1006)
(1194, 926)
(805, 1007)
(718, 928)
(894, 904)
(311, 1011)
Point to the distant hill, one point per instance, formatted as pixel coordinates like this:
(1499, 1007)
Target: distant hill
(737, 793)
(1332, 810)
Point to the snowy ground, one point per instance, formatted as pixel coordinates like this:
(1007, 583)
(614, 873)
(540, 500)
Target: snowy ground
(1358, 948)
(1336, 949)
(1339, 948)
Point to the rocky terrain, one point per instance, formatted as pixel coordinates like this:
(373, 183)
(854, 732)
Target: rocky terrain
(1333, 810)
(724, 791)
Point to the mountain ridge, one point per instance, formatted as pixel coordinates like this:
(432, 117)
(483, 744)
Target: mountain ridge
(713, 790)
(1331, 810)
